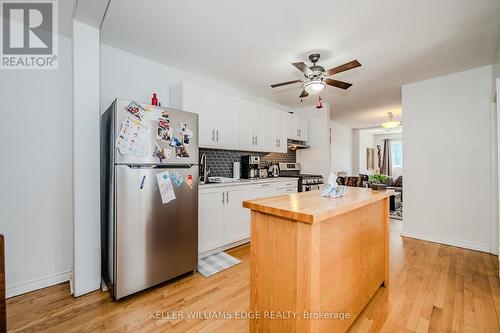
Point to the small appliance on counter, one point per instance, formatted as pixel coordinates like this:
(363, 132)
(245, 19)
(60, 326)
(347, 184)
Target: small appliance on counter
(250, 167)
(262, 173)
(273, 170)
(236, 170)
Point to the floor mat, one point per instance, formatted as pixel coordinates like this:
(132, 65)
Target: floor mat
(216, 263)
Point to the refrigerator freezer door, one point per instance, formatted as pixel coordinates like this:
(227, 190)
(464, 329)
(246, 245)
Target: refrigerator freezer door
(155, 242)
(176, 120)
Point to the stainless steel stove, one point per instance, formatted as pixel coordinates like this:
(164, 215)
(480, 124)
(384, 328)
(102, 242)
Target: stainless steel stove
(306, 182)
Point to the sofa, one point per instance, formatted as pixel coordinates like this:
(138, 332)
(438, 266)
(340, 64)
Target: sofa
(362, 181)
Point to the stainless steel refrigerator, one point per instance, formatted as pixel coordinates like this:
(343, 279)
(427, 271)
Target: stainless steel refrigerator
(149, 195)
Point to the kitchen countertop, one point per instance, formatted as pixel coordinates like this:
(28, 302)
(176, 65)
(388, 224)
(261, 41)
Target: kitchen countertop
(248, 182)
(311, 207)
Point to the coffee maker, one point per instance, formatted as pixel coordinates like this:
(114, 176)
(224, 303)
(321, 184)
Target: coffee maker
(250, 166)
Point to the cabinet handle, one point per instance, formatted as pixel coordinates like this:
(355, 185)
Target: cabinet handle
(217, 135)
(264, 185)
(222, 197)
(213, 135)
(256, 140)
(227, 197)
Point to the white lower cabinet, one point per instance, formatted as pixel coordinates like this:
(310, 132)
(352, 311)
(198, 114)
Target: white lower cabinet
(237, 218)
(222, 221)
(210, 220)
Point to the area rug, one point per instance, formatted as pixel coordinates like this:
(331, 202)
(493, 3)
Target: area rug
(216, 263)
(397, 214)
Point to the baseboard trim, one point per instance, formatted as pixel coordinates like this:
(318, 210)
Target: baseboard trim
(223, 248)
(39, 283)
(448, 241)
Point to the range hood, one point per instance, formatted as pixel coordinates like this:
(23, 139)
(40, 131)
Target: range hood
(294, 145)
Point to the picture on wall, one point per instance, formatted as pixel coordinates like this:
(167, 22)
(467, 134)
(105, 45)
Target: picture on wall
(370, 158)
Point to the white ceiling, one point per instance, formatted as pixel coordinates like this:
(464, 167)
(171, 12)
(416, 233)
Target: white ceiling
(250, 44)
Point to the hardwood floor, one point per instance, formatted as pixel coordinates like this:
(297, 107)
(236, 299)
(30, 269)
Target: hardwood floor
(433, 288)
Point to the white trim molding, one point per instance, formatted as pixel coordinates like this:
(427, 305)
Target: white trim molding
(448, 241)
(38, 283)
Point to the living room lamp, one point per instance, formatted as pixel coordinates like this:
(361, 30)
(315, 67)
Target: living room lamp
(391, 123)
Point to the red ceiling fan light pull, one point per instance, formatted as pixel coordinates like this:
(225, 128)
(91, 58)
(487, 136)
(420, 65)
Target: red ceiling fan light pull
(319, 105)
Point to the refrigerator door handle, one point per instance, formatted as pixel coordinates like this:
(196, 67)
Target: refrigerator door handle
(222, 197)
(160, 166)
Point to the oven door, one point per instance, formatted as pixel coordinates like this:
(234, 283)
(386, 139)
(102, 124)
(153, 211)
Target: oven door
(310, 187)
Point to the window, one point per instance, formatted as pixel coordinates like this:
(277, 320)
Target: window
(397, 154)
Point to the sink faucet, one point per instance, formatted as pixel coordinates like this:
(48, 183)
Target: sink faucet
(206, 171)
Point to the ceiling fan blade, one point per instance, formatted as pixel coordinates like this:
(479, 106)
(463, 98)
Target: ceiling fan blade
(284, 83)
(343, 68)
(303, 68)
(304, 94)
(336, 83)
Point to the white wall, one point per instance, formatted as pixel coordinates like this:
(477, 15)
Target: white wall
(129, 76)
(36, 173)
(447, 159)
(362, 139)
(316, 159)
(341, 148)
(87, 255)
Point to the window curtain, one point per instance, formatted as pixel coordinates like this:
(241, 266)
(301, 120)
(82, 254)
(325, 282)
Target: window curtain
(386, 158)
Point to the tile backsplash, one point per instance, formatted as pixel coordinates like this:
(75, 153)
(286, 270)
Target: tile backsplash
(220, 162)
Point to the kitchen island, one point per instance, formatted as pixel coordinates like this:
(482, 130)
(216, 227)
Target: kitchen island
(315, 262)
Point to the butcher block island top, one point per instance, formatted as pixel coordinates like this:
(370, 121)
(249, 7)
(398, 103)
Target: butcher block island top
(311, 207)
(315, 262)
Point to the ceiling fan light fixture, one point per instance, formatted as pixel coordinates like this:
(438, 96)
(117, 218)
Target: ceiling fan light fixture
(314, 87)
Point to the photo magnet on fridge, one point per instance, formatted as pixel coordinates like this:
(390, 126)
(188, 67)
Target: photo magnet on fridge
(136, 110)
(189, 181)
(165, 185)
(177, 178)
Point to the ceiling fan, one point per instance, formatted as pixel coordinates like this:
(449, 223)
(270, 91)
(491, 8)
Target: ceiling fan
(317, 77)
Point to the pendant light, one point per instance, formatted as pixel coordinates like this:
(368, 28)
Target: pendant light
(391, 123)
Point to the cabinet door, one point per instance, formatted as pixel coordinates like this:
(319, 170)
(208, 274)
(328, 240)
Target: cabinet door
(280, 131)
(303, 129)
(198, 100)
(292, 127)
(210, 220)
(225, 120)
(268, 142)
(258, 118)
(246, 119)
(237, 218)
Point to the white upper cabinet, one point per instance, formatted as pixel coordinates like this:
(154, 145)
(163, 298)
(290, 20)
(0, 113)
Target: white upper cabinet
(198, 100)
(275, 127)
(251, 131)
(225, 121)
(228, 122)
(280, 131)
(297, 128)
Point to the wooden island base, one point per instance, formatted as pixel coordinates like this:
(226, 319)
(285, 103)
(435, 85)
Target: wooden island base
(316, 262)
